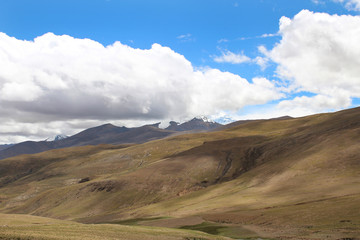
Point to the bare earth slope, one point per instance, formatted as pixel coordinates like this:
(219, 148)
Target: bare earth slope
(282, 178)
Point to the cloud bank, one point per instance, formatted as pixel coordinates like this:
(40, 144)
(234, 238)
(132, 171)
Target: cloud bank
(61, 78)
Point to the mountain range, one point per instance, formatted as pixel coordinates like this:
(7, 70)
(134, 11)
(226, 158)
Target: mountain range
(107, 134)
(286, 178)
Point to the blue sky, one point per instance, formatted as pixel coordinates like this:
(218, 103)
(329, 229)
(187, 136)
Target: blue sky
(142, 23)
(224, 35)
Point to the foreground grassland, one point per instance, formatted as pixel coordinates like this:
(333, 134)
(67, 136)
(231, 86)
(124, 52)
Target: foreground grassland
(279, 179)
(23, 227)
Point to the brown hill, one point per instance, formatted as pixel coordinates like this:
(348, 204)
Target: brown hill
(282, 178)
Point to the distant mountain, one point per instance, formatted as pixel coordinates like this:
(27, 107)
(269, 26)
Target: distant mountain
(108, 134)
(104, 134)
(5, 146)
(197, 123)
(28, 147)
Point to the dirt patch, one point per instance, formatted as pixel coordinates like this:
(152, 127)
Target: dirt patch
(105, 186)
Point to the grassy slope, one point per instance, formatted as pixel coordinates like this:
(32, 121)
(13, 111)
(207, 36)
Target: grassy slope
(23, 227)
(309, 187)
(277, 178)
(120, 178)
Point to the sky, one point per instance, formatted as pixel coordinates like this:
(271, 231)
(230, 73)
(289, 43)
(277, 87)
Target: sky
(67, 65)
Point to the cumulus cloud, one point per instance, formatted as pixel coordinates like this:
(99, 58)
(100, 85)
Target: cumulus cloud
(230, 57)
(317, 58)
(60, 79)
(319, 53)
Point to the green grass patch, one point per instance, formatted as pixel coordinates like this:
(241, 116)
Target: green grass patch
(231, 231)
(207, 227)
(135, 221)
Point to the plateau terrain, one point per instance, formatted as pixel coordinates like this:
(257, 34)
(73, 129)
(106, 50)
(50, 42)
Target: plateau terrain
(285, 178)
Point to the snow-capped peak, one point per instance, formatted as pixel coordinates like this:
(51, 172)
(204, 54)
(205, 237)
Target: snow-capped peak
(204, 119)
(56, 138)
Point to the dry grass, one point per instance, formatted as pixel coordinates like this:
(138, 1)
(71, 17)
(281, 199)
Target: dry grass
(30, 227)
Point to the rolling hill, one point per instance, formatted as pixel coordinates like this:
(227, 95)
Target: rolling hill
(280, 178)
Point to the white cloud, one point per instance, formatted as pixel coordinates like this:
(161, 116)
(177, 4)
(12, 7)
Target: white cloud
(53, 81)
(319, 53)
(185, 37)
(318, 1)
(233, 58)
(314, 104)
(262, 61)
(14, 91)
(223, 40)
(297, 107)
(268, 35)
(352, 5)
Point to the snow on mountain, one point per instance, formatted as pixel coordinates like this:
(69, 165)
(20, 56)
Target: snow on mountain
(56, 138)
(204, 119)
(197, 123)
